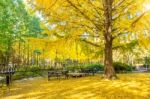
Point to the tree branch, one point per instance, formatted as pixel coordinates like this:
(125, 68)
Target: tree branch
(138, 19)
(123, 11)
(118, 4)
(84, 15)
(91, 43)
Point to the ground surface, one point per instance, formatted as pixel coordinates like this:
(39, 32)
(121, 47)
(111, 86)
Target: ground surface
(129, 86)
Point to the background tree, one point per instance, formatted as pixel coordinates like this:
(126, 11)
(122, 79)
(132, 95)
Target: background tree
(16, 25)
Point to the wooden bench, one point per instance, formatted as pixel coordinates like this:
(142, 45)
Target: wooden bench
(57, 74)
(88, 71)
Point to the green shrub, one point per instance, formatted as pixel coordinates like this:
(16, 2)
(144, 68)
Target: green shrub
(122, 67)
(73, 67)
(26, 72)
(147, 61)
(97, 67)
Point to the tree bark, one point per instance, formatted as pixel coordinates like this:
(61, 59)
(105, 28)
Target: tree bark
(109, 71)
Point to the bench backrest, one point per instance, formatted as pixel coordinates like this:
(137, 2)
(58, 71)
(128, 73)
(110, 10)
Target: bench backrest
(55, 72)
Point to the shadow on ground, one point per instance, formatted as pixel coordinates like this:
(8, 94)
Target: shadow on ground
(129, 86)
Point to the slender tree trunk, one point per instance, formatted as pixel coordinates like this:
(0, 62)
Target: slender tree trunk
(19, 53)
(109, 71)
(28, 54)
(8, 53)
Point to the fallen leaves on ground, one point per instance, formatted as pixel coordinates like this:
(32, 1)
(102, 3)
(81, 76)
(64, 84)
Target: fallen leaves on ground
(128, 86)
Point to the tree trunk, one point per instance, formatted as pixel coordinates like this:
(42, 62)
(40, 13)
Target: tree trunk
(109, 71)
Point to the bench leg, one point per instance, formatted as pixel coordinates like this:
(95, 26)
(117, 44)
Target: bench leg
(58, 76)
(10, 78)
(7, 80)
(48, 78)
(67, 76)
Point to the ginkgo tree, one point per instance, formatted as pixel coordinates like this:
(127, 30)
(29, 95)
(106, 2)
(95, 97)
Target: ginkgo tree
(109, 20)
